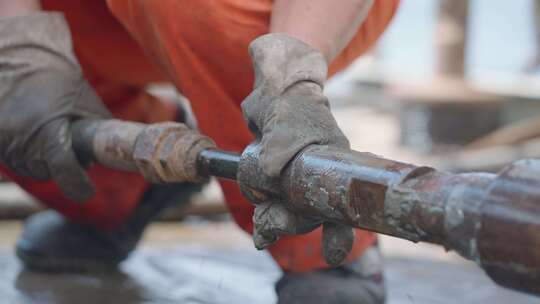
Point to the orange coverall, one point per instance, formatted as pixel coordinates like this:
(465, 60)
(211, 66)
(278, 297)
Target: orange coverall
(202, 48)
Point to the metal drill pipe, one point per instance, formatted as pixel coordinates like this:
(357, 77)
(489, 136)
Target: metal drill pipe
(214, 162)
(492, 219)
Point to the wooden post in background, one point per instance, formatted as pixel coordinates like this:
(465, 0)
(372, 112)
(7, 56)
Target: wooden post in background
(451, 38)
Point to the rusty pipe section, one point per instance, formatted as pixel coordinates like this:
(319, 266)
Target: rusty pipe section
(393, 198)
(373, 193)
(161, 152)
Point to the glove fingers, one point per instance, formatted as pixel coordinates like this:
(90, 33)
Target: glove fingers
(23, 169)
(28, 162)
(254, 112)
(62, 162)
(337, 242)
(301, 118)
(283, 137)
(37, 169)
(278, 148)
(89, 104)
(272, 220)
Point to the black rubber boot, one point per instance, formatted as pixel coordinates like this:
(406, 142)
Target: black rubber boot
(360, 282)
(50, 242)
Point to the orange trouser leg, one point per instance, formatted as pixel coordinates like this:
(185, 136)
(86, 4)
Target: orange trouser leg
(202, 46)
(118, 70)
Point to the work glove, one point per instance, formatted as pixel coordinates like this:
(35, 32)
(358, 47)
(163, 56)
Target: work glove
(287, 111)
(42, 90)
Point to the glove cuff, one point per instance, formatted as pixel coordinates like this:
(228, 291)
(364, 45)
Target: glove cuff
(280, 61)
(35, 41)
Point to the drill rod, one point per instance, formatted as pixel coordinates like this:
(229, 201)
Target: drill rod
(492, 219)
(218, 163)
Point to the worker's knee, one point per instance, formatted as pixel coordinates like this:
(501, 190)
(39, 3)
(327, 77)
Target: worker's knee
(304, 253)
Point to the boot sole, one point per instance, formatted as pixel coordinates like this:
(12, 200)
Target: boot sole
(64, 265)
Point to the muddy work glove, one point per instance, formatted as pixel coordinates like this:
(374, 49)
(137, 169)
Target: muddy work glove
(287, 111)
(42, 91)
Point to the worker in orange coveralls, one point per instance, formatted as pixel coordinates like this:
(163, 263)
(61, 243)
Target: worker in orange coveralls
(262, 61)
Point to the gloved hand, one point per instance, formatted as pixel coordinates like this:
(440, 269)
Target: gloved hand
(288, 111)
(41, 91)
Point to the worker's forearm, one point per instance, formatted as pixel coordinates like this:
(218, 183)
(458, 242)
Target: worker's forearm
(326, 25)
(10, 8)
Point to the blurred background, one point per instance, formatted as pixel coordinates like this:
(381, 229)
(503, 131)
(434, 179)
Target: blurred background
(453, 84)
